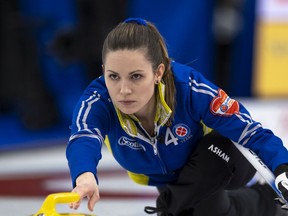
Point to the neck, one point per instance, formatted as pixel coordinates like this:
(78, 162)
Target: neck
(147, 114)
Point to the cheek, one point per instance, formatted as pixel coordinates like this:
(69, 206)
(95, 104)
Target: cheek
(146, 92)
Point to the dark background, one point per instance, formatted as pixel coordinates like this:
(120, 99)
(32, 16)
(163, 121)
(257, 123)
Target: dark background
(50, 50)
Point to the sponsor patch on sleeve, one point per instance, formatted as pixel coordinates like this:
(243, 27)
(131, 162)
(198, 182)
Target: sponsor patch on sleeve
(222, 104)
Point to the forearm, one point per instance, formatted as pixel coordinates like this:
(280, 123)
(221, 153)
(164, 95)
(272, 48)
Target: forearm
(82, 156)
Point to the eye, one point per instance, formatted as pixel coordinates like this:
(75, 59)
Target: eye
(113, 76)
(136, 76)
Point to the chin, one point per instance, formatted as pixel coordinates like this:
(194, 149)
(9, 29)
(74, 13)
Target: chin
(127, 111)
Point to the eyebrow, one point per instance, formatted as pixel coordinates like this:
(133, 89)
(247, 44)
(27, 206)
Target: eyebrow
(132, 72)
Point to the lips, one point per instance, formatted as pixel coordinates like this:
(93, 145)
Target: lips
(126, 102)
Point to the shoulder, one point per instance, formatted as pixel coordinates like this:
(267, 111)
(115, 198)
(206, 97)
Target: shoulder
(94, 106)
(97, 87)
(95, 97)
(184, 73)
(188, 78)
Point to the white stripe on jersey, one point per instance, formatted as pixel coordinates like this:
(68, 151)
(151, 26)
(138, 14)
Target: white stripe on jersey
(241, 116)
(246, 132)
(99, 132)
(246, 140)
(94, 136)
(92, 99)
(247, 116)
(202, 88)
(202, 91)
(203, 85)
(88, 133)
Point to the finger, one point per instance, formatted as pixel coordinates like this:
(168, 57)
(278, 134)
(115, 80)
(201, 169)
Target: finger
(92, 201)
(75, 205)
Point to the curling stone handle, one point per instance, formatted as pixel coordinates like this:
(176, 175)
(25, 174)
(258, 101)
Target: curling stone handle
(49, 205)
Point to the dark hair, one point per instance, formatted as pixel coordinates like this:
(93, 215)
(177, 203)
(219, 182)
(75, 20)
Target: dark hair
(131, 36)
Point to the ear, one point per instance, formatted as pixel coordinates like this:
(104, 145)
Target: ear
(160, 71)
(103, 68)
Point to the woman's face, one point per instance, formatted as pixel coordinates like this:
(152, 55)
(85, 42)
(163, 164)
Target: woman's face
(130, 80)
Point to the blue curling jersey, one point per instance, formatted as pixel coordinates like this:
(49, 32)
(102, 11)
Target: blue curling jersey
(200, 106)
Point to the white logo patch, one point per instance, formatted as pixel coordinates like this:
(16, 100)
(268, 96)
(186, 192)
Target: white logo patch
(131, 143)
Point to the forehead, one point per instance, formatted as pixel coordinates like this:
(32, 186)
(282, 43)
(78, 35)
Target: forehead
(122, 60)
(126, 54)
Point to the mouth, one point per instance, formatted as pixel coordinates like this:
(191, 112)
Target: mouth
(126, 102)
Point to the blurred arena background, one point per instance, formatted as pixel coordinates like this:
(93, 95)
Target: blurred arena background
(50, 50)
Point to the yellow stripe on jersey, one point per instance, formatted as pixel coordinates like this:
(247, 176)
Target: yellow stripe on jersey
(138, 178)
(206, 129)
(107, 143)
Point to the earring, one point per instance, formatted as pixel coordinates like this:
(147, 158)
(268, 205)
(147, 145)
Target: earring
(157, 82)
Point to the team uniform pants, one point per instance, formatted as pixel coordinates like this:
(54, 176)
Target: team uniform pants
(213, 182)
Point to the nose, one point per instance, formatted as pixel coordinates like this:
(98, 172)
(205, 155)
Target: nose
(125, 88)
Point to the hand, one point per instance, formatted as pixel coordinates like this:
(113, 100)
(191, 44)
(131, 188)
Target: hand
(86, 186)
(281, 183)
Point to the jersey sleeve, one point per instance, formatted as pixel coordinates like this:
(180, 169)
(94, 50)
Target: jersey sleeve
(90, 122)
(230, 118)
